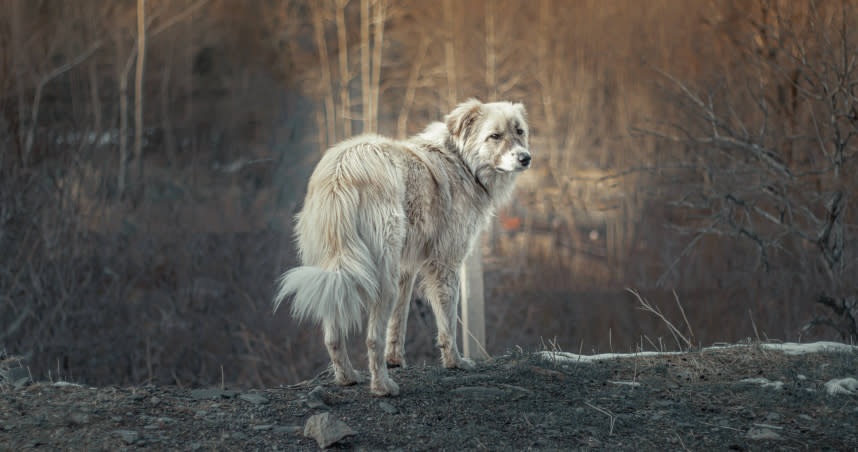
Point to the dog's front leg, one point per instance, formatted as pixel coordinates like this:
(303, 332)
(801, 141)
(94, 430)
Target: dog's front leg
(442, 289)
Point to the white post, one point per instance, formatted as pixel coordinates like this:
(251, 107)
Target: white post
(473, 305)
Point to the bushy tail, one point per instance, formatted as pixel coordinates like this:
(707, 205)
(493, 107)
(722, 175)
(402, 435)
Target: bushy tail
(321, 294)
(341, 271)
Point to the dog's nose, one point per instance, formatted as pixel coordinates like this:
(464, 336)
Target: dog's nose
(524, 159)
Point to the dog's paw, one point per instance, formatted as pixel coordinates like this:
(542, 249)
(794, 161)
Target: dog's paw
(348, 378)
(395, 360)
(466, 364)
(459, 363)
(384, 387)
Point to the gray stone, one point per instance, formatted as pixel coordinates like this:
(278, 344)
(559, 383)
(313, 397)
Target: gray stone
(256, 399)
(21, 382)
(479, 392)
(78, 418)
(208, 394)
(387, 408)
(129, 436)
(289, 429)
(263, 427)
(326, 429)
(317, 399)
(762, 434)
(18, 376)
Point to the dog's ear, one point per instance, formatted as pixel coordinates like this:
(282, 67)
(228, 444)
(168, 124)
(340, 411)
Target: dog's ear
(461, 119)
(520, 109)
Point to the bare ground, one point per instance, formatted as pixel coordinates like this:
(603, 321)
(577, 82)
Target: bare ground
(518, 401)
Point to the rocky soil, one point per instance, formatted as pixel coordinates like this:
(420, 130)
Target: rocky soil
(744, 398)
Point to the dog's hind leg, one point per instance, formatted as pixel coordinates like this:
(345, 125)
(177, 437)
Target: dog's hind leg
(380, 384)
(395, 351)
(442, 289)
(335, 342)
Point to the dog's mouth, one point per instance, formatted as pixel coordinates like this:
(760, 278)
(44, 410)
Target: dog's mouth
(519, 162)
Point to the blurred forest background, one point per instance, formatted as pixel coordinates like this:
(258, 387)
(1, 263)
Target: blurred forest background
(153, 153)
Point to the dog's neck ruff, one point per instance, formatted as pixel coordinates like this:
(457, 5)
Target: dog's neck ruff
(453, 148)
(473, 175)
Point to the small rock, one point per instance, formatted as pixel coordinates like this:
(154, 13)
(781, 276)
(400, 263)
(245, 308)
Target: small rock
(317, 398)
(129, 436)
(137, 397)
(387, 408)
(256, 399)
(154, 401)
(21, 382)
(763, 434)
(518, 388)
(840, 386)
(78, 418)
(289, 429)
(19, 377)
(479, 392)
(208, 394)
(263, 427)
(326, 429)
(239, 436)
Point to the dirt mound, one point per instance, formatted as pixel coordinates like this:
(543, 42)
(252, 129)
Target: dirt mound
(736, 398)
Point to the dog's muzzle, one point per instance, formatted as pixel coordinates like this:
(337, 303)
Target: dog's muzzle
(524, 159)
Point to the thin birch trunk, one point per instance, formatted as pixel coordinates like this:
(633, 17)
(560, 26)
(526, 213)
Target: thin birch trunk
(345, 98)
(95, 101)
(491, 53)
(378, 45)
(166, 123)
(411, 89)
(325, 68)
(544, 78)
(365, 81)
(123, 125)
(450, 55)
(138, 92)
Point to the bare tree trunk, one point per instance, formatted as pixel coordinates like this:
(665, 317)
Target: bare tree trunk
(17, 50)
(544, 78)
(123, 125)
(40, 86)
(450, 55)
(325, 68)
(138, 91)
(345, 97)
(411, 89)
(491, 53)
(166, 123)
(95, 101)
(378, 45)
(365, 81)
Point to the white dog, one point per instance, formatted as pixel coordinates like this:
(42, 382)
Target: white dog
(380, 211)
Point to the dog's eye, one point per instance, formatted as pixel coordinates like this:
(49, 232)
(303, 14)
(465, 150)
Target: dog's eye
(495, 136)
(519, 131)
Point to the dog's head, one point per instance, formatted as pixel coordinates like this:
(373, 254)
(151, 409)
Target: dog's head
(493, 135)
